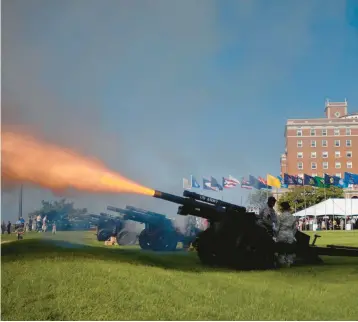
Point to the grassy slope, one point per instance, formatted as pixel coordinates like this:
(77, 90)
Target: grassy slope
(50, 279)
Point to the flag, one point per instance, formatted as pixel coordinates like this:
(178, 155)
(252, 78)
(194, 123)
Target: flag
(299, 181)
(350, 178)
(245, 184)
(234, 179)
(320, 182)
(273, 181)
(333, 181)
(283, 185)
(309, 180)
(289, 180)
(186, 184)
(256, 183)
(207, 184)
(194, 183)
(228, 183)
(215, 184)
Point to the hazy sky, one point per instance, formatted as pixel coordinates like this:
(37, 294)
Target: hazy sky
(160, 90)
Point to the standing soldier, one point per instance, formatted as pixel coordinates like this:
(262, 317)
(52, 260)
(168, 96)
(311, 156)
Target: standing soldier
(267, 217)
(286, 234)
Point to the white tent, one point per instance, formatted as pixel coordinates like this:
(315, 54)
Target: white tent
(336, 207)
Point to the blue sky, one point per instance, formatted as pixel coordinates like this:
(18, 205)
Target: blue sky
(160, 90)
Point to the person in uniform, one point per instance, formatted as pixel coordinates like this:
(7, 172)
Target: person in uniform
(286, 230)
(267, 217)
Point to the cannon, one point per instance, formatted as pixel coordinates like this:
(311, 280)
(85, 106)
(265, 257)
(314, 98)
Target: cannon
(108, 225)
(234, 239)
(159, 233)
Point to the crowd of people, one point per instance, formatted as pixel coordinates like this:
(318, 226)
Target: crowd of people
(326, 223)
(38, 225)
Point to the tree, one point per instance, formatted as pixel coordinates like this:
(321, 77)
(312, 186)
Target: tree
(258, 199)
(304, 197)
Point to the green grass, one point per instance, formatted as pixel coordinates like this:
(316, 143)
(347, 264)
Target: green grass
(46, 278)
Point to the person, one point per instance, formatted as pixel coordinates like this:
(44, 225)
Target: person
(267, 217)
(286, 230)
(9, 227)
(3, 227)
(54, 228)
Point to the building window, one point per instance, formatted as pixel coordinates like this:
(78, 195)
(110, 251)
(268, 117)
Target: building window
(337, 154)
(313, 155)
(313, 165)
(313, 144)
(338, 175)
(324, 143)
(336, 132)
(349, 154)
(299, 155)
(349, 165)
(300, 175)
(324, 154)
(299, 144)
(313, 132)
(348, 131)
(314, 174)
(338, 165)
(300, 165)
(337, 143)
(324, 132)
(325, 165)
(299, 132)
(349, 143)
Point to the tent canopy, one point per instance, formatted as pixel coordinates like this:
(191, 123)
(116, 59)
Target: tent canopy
(336, 207)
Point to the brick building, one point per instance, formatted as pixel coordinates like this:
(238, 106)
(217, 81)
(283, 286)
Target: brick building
(322, 145)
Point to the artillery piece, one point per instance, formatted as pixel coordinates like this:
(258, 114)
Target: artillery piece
(109, 225)
(234, 239)
(159, 233)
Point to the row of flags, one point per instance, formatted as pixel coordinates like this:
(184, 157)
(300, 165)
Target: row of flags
(271, 181)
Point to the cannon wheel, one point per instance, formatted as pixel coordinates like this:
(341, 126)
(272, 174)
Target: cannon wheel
(205, 247)
(144, 240)
(253, 252)
(125, 237)
(165, 241)
(104, 234)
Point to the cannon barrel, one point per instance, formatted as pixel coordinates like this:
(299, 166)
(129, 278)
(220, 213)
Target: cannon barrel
(212, 201)
(202, 208)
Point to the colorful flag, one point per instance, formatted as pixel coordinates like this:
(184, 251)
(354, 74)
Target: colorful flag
(350, 178)
(215, 184)
(245, 184)
(233, 179)
(283, 185)
(207, 184)
(320, 182)
(186, 184)
(289, 180)
(194, 183)
(227, 183)
(309, 180)
(334, 181)
(273, 181)
(299, 181)
(256, 183)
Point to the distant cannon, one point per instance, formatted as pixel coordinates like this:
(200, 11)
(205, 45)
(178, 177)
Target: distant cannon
(159, 233)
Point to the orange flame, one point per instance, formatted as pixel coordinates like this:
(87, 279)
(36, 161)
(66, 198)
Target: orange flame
(27, 159)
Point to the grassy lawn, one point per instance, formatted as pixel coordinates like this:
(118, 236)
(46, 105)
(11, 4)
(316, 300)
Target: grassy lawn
(71, 276)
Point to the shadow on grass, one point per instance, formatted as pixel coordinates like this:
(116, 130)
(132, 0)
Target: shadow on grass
(34, 249)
